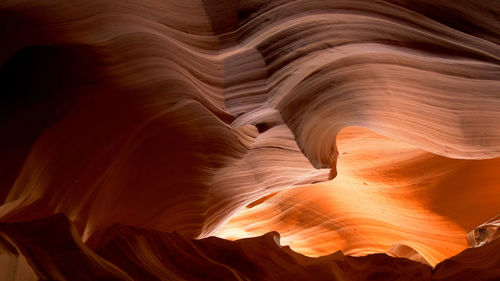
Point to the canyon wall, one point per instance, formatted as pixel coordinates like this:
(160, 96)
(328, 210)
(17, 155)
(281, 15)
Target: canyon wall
(354, 140)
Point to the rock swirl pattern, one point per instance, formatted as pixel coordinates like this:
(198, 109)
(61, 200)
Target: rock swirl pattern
(250, 140)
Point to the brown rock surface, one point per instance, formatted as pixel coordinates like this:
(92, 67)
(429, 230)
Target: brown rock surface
(148, 124)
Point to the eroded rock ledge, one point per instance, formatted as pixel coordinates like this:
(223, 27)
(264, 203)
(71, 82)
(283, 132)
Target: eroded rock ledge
(130, 253)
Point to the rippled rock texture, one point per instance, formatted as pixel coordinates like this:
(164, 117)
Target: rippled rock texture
(250, 140)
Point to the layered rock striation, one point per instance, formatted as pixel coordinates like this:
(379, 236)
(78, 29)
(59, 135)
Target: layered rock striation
(370, 127)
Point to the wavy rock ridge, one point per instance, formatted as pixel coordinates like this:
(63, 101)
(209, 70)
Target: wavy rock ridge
(140, 254)
(387, 196)
(171, 117)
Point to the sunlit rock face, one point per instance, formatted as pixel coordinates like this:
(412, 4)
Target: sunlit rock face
(387, 194)
(316, 140)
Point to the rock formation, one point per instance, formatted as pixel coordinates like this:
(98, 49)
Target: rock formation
(250, 140)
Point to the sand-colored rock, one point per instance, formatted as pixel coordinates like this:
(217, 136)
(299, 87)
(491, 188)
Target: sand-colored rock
(199, 118)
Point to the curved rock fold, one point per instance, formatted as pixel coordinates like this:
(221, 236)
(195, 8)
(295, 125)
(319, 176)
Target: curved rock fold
(316, 140)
